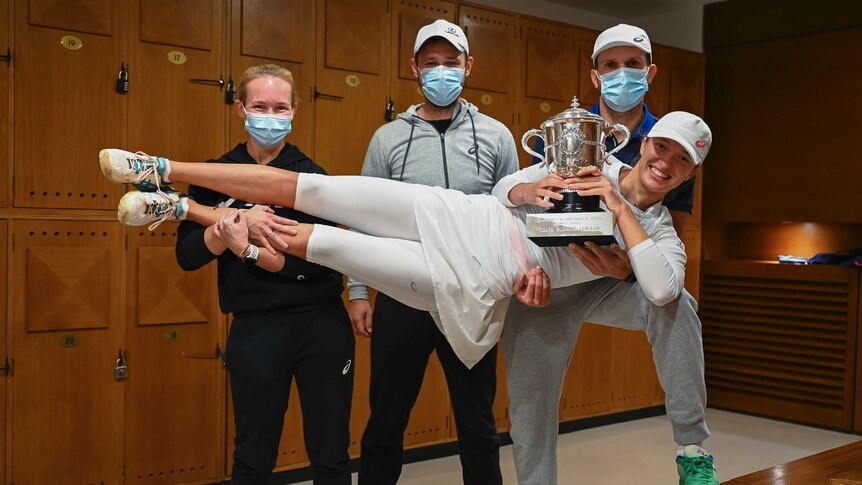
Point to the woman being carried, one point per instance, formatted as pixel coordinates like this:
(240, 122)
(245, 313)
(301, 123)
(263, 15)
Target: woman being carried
(458, 256)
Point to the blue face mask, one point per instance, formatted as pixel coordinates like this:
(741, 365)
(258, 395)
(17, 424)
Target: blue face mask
(267, 130)
(441, 85)
(624, 88)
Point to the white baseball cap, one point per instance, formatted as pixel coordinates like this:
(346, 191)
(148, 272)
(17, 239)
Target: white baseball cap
(686, 129)
(622, 35)
(444, 29)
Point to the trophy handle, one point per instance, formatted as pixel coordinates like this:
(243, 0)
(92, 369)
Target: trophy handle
(625, 131)
(529, 134)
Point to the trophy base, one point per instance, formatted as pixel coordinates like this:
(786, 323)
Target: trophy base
(563, 228)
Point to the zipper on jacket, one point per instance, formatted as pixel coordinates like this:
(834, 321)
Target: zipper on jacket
(445, 163)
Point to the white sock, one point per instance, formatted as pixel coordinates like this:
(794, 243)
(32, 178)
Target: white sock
(680, 450)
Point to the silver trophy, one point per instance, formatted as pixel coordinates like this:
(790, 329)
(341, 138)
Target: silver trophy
(574, 139)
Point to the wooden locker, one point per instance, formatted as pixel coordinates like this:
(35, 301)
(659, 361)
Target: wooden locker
(549, 78)
(430, 418)
(407, 18)
(5, 113)
(175, 390)
(657, 98)
(259, 35)
(587, 387)
(68, 58)
(492, 82)
(352, 81)
(66, 331)
(4, 275)
(177, 74)
(634, 381)
(588, 95)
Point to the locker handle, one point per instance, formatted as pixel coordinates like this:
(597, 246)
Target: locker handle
(318, 94)
(8, 57)
(214, 355)
(214, 82)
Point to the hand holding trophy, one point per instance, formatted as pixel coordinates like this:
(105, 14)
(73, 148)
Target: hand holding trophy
(574, 139)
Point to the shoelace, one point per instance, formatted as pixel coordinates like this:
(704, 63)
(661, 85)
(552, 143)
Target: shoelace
(150, 168)
(700, 468)
(167, 205)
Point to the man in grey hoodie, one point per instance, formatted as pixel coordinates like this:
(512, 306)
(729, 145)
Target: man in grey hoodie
(443, 142)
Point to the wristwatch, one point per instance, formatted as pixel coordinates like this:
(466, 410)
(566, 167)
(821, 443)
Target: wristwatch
(249, 255)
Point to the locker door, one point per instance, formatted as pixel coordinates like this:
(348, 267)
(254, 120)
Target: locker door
(429, 420)
(177, 75)
(66, 331)
(550, 75)
(588, 95)
(657, 98)
(4, 275)
(634, 379)
(587, 386)
(260, 34)
(5, 114)
(66, 108)
(175, 390)
(407, 19)
(491, 85)
(352, 81)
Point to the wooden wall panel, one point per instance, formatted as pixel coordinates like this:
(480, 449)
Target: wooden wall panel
(789, 109)
(187, 23)
(258, 37)
(429, 420)
(86, 113)
(493, 45)
(780, 340)
(90, 16)
(408, 16)
(173, 412)
(587, 388)
(588, 95)
(64, 396)
(67, 274)
(4, 313)
(549, 78)
(352, 76)
(190, 114)
(5, 108)
(635, 383)
(857, 419)
(280, 37)
(657, 98)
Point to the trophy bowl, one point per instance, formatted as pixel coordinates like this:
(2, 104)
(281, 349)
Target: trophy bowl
(574, 139)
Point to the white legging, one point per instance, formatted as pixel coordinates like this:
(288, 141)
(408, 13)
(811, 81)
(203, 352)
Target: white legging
(387, 253)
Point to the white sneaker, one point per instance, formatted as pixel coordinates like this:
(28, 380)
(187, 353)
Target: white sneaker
(139, 169)
(153, 208)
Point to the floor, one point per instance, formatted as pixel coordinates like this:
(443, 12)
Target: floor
(642, 452)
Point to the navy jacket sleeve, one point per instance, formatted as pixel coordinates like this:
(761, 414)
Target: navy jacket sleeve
(191, 250)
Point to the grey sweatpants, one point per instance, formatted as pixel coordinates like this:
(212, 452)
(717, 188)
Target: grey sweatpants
(538, 344)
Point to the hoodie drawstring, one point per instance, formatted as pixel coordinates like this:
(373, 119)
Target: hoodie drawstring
(407, 151)
(475, 144)
(474, 150)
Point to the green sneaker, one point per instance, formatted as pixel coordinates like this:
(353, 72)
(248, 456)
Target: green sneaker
(695, 467)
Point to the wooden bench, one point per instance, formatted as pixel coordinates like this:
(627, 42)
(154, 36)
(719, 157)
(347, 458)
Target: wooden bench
(841, 466)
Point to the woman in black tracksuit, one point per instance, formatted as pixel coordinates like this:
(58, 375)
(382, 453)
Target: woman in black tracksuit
(289, 319)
